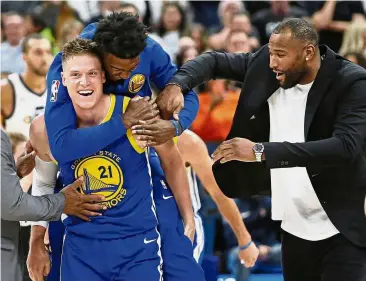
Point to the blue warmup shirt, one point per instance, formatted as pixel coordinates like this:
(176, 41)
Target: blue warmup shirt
(68, 143)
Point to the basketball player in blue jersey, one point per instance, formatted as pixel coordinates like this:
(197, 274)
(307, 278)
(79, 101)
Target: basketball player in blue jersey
(125, 235)
(132, 61)
(194, 153)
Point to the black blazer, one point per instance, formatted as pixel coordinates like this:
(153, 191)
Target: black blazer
(335, 130)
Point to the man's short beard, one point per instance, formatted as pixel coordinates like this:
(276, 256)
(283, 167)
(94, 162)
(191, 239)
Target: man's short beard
(36, 71)
(293, 82)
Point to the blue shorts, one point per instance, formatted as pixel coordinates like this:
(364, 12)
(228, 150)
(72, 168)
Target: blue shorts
(136, 258)
(177, 250)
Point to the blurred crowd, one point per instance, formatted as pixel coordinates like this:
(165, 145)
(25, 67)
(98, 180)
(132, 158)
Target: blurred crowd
(32, 32)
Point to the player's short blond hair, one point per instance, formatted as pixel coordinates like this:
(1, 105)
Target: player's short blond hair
(80, 46)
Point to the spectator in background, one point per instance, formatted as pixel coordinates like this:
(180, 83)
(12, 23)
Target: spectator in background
(184, 43)
(86, 9)
(171, 27)
(105, 9)
(23, 96)
(11, 50)
(35, 23)
(241, 22)
(18, 142)
(354, 39)
(332, 18)
(69, 31)
(267, 19)
(357, 58)
(226, 11)
(55, 15)
(198, 33)
(21, 7)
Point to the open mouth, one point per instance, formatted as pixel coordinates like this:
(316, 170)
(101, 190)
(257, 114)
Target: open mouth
(86, 93)
(279, 75)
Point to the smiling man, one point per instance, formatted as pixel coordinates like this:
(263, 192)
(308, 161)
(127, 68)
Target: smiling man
(298, 132)
(132, 61)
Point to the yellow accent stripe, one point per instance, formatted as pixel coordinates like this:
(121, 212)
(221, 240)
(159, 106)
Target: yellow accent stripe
(130, 137)
(111, 109)
(126, 100)
(133, 142)
(175, 139)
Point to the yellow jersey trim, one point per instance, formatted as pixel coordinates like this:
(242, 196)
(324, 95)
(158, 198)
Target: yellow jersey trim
(129, 134)
(111, 109)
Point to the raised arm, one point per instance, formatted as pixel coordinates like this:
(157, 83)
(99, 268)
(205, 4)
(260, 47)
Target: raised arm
(175, 174)
(212, 65)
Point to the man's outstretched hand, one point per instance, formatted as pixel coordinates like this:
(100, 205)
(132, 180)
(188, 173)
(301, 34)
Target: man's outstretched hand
(80, 205)
(170, 102)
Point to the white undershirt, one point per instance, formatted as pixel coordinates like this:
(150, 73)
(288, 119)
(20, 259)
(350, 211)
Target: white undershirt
(294, 200)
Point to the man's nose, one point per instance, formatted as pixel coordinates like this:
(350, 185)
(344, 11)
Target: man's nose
(84, 81)
(273, 62)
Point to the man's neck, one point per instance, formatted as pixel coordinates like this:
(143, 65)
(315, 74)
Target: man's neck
(94, 116)
(34, 82)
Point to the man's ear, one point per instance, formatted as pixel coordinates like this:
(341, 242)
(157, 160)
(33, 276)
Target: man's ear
(103, 77)
(63, 79)
(310, 52)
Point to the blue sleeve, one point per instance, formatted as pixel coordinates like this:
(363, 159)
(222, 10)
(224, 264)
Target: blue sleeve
(67, 143)
(162, 70)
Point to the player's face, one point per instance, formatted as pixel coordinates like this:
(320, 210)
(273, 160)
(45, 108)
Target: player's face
(83, 76)
(38, 56)
(287, 59)
(119, 69)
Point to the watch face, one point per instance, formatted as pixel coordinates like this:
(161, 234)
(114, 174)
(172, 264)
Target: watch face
(258, 147)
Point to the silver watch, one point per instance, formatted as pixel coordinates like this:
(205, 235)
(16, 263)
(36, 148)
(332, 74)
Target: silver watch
(258, 149)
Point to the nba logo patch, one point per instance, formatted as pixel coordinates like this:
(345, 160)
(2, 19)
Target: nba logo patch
(54, 90)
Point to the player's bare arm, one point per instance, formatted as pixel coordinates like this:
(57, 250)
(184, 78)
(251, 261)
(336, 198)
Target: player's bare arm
(175, 173)
(7, 100)
(201, 163)
(39, 140)
(38, 261)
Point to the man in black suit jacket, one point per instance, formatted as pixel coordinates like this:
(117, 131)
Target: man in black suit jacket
(303, 108)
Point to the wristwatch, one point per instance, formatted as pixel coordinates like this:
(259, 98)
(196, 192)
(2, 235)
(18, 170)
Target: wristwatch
(258, 149)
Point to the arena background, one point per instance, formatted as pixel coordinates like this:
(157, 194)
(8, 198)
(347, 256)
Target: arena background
(186, 29)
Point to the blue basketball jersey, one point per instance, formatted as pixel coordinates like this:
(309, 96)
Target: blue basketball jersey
(121, 173)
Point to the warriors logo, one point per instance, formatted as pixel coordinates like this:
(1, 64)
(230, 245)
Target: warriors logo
(102, 176)
(136, 83)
